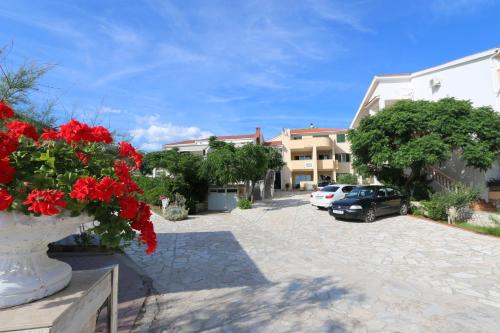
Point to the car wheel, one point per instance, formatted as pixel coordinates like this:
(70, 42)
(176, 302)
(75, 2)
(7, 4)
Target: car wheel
(370, 215)
(330, 211)
(403, 210)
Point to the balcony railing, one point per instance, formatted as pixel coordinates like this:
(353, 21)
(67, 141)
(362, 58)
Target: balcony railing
(326, 164)
(311, 142)
(302, 165)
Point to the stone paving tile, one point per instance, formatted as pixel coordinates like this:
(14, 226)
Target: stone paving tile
(132, 289)
(285, 266)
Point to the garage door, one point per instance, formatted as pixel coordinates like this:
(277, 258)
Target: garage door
(222, 199)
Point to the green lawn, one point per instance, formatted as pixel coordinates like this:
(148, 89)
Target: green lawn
(495, 231)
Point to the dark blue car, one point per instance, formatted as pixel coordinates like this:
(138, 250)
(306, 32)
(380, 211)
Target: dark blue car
(366, 203)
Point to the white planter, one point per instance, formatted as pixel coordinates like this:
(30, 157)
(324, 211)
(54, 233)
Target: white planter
(26, 272)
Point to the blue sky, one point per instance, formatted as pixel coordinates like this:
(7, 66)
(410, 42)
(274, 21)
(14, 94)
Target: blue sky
(163, 71)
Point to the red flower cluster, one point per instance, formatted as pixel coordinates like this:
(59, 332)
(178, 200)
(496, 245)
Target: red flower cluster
(7, 172)
(142, 223)
(46, 202)
(19, 128)
(5, 199)
(74, 132)
(123, 173)
(127, 150)
(88, 188)
(50, 134)
(8, 144)
(5, 111)
(129, 207)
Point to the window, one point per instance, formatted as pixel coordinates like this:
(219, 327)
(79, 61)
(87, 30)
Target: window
(320, 136)
(390, 192)
(345, 158)
(341, 137)
(297, 137)
(324, 157)
(330, 189)
(302, 157)
(347, 189)
(381, 193)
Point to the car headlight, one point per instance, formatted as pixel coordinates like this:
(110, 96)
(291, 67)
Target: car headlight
(355, 207)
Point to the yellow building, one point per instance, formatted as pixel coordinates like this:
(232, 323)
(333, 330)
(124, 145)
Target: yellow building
(312, 155)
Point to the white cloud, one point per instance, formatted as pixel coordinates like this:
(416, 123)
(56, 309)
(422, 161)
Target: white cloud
(153, 133)
(107, 109)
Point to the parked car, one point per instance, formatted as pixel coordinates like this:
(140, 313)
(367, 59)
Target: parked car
(366, 203)
(322, 184)
(330, 193)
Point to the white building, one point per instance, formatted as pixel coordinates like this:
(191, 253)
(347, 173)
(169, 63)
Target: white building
(475, 78)
(200, 146)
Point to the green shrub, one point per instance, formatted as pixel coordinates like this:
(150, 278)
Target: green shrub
(244, 204)
(174, 213)
(437, 206)
(347, 178)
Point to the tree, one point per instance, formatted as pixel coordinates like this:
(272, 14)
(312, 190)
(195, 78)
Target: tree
(226, 164)
(347, 178)
(253, 161)
(17, 87)
(398, 143)
(185, 174)
(221, 166)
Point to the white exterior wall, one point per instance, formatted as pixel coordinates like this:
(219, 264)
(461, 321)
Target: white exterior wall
(472, 81)
(475, 78)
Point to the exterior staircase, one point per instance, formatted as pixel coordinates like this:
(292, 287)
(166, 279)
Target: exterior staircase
(445, 182)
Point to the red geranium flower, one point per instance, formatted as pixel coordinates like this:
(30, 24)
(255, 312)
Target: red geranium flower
(7, 172)
(142, 223)
(5, 111)
(127, 150)
(85, 189)
(8, 144)
(109, 187)
(129, 207)
(5, 199)
(84, 158)
(101, 134)
(123, 173)
(46, 202)
(50, 134)
(19, 128)
(75, 131)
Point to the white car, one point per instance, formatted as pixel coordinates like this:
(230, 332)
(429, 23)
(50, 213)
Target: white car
(328, 194)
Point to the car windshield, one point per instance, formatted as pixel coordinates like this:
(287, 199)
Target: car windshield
(329, 189)
(361, 192)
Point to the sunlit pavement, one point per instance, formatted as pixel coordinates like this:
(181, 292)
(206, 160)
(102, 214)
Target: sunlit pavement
(285, 266)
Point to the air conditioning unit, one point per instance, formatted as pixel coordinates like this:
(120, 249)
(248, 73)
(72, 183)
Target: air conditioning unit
(308, 165)
(435, 83)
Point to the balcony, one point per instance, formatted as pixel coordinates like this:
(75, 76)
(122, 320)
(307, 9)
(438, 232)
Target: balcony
(311, 142)
(301, 165)
(326, 164)
(343, 167)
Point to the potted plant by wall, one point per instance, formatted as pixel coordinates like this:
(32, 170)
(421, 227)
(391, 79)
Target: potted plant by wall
(52, 182)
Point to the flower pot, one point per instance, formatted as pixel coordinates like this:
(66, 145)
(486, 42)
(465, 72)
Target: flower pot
(26, 272)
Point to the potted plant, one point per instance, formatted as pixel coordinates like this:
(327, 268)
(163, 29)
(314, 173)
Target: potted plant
(52, 182)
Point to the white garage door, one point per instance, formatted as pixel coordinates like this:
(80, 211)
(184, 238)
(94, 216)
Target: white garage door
(222, 199)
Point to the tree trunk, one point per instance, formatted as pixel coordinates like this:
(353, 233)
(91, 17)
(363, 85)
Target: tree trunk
(252, 189)
(247, 190)
(415, 172)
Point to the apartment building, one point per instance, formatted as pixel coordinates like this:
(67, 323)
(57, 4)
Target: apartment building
(475, 78)
(311, 155)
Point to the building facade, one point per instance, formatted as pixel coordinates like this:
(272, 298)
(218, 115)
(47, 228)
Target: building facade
(475, 78)
(311, 155)
(200, 146)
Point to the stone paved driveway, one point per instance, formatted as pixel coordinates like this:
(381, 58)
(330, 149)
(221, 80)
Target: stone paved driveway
(288, 267)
